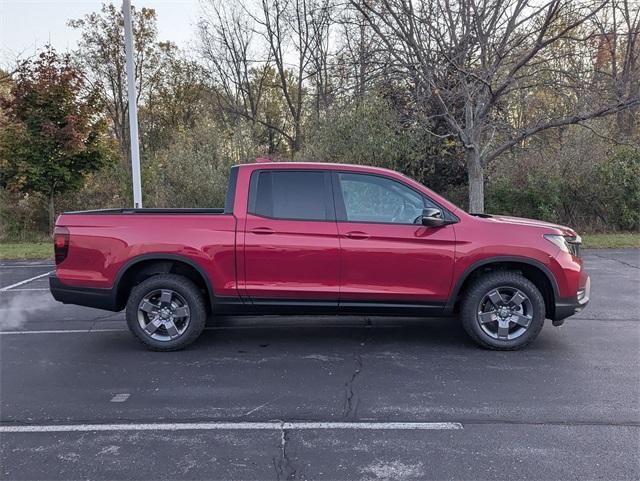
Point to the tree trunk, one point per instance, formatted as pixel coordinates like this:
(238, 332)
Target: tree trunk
(52, 212)
(476, 181)
(295, 145)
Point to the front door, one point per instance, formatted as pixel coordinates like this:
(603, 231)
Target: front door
(291, 247)
(387, 255)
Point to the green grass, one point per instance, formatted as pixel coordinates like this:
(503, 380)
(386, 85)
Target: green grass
(44, 250)
(611, 241)
(26, 250)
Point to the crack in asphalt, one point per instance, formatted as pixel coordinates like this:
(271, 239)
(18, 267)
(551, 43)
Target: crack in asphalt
(283, 466)
(616, 260)
(350, 400)
(101, 317)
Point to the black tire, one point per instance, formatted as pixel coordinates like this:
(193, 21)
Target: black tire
(476, 300)
(186, 295)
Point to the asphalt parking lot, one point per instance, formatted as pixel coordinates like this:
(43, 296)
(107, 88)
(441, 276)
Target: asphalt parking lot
(319, 397)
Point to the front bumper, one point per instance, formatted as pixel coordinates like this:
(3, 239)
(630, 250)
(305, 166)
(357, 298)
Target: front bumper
(83, 296)
(569, 307)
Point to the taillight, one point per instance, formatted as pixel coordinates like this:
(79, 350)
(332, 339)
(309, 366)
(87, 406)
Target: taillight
(61, 243)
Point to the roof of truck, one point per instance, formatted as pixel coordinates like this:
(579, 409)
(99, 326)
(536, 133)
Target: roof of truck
(317, 165)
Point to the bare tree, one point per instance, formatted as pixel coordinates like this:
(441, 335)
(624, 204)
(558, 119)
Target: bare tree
(361, 59)
(295, 36)
(285, 27)
(320, 23)
(237, 66)
(618, 56)
(468, 57)
(101, 57)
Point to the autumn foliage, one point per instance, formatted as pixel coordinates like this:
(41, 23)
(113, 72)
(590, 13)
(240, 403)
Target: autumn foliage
(51, 137)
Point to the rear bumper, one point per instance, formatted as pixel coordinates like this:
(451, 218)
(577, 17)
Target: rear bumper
(569, 307)
(83, 296)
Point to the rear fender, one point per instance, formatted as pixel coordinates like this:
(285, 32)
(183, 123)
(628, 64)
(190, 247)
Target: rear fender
(163, 266)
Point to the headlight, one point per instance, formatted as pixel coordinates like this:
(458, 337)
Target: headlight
(566, 243)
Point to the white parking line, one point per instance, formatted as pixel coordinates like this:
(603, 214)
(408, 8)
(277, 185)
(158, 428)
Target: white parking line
(230, 426)
(61, 331)
(26, 281)
(28, 289)
(120, 398)
(28, 265)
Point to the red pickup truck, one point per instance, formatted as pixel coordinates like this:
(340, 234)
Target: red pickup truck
(320, 238)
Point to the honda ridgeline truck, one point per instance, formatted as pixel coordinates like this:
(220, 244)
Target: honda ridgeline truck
(320, 238)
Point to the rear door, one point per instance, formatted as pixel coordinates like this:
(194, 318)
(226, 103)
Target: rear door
(291, 246)
(387, 255)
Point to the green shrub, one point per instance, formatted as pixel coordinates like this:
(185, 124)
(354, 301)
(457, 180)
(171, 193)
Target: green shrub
(192, 172)
(23, 217)
(617, 186)
(536, 198)
(601, 195)
(364, 132)
(372, 132)
(108, 188)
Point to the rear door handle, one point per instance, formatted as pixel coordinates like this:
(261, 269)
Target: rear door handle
(262, 230)
(356, 234)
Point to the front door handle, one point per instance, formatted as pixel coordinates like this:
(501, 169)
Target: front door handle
(262, 230)
(356, 234)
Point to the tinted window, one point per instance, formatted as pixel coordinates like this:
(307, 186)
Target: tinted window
(290, 195)
(370, 198)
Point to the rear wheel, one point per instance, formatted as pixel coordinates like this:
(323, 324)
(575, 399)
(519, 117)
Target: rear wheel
(166, 312)
(503, 310)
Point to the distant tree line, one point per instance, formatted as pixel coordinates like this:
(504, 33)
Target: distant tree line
(514, 106)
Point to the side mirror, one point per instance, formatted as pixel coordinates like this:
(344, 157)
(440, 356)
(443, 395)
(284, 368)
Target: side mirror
(433, 217)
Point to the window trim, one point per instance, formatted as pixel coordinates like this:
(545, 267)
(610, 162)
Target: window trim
(230, 198)
(341, 211)
(328, 194)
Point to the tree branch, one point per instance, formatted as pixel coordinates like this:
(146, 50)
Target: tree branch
(569, 120)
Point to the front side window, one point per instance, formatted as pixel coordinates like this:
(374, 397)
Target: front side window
(297, 195)
(371, 198)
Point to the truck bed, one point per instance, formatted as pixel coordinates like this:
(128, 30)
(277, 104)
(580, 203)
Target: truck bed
(102, 242)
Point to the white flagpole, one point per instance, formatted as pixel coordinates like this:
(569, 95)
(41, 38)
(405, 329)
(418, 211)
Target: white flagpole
(133, 107)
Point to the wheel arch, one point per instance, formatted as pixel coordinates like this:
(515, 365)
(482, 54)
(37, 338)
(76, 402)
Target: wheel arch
(146, 265)
(531, 269)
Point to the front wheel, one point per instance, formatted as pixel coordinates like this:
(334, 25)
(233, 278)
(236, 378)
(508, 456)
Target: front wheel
(166, 312)
(503, 311)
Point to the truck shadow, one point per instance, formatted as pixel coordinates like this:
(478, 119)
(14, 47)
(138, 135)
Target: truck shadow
(325, 333)
(437, 330)
(436, 333)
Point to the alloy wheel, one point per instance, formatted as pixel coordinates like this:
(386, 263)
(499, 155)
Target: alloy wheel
(505, 313)
(163, 315)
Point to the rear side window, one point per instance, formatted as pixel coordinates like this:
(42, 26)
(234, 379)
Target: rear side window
(296, 195)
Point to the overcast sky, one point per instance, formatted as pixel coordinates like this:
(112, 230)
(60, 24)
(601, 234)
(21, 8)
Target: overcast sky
(26, 25)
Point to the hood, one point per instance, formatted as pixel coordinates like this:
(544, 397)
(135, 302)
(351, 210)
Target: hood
(505, 219)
